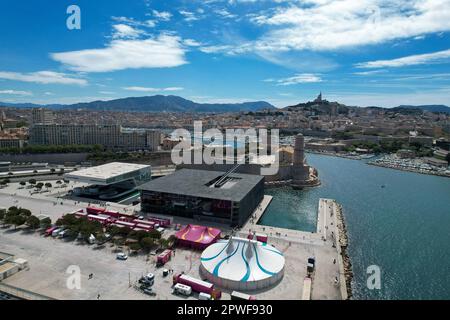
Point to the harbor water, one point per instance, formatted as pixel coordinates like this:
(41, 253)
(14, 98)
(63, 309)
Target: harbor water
(398, 221)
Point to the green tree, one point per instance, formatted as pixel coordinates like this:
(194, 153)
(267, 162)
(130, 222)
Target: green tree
(18, 220)
(21, 123)
(2, 214)
(68, 220)
(138, 235)
(147, 243)
(48, 185)
(154, 234)
(163, 243)
(33, 222)
(100, 237)
(113, 230)
(32, 181)
(24, 212)
(46, 223)
(135, 246)
(447, 157)
(22, 183)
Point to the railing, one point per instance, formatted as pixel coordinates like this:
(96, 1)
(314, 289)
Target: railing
(22, 293)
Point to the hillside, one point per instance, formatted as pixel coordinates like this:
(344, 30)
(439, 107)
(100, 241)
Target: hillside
(156, 103)
(430, 108)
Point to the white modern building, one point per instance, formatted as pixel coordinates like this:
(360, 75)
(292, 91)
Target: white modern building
(242, 264)
(111, 180)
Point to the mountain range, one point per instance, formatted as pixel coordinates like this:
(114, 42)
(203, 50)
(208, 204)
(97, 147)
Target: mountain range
(161, 103)
(157, 103)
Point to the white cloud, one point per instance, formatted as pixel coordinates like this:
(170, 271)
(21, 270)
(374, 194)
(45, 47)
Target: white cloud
(123, 31)
(216, 49)
(165, 51)
(162, 15)
(16, 92)
(133, 22)
(439, 56)
(323, 25)
(298, 78)
(369, 73)
(44, 77)
(191, 43)
(189, 16)
(225, 13)
(147, 89)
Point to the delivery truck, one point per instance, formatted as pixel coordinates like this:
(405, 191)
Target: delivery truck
(197, 285)
(163, 257)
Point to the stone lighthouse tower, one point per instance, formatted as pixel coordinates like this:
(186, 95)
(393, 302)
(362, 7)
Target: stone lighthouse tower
(302, 174)
(299, 150)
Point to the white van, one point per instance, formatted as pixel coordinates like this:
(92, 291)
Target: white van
(204, 296)
(182, 289)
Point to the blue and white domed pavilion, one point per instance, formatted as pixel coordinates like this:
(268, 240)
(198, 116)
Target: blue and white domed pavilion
(242, 264)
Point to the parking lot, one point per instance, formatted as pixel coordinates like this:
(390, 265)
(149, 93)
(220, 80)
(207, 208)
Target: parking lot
(50, 258)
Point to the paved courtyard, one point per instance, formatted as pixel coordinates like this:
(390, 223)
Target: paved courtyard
(49, 258)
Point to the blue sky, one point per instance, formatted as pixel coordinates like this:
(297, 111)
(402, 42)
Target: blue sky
(365, 52)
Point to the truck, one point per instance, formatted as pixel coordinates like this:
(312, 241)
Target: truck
(182, 289)
(311, 265)
(100, 218)
(204, 296)
(163, 222)
(163, 257)
(235, 295)
(197, 285)
(306, 295)
(144, 224)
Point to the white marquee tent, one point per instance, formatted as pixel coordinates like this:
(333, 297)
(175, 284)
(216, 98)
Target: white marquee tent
(242, 264)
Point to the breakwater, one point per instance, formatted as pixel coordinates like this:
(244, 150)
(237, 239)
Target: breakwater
(343, 243)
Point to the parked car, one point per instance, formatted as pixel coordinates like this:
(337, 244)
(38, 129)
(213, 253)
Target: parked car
(121, 256)
(56, 232)
(147, 280)
(149, 291)
(62, 233)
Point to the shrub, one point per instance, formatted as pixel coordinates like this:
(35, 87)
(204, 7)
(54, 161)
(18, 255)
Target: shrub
(33, 222)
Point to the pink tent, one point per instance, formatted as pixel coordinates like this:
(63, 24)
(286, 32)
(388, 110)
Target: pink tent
(197, 237)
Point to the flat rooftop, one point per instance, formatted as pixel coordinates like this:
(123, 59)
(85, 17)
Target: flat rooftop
(101, 174)
(197, 183)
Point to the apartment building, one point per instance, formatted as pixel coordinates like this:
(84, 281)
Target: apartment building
(111, 136)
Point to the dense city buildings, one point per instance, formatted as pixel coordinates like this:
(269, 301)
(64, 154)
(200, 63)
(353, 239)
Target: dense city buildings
(43, 116)
(109, 136)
